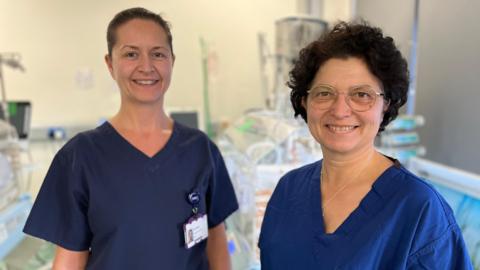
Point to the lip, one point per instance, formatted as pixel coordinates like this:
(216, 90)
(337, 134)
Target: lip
(341, 129)
(145, 82)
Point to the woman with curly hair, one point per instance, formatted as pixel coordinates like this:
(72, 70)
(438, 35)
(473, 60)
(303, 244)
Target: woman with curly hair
(356, 208)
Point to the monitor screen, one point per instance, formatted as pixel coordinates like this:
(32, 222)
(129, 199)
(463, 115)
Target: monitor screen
(19, 114)
(187, 118)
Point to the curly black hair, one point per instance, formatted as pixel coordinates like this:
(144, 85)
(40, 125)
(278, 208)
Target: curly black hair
(361, 40)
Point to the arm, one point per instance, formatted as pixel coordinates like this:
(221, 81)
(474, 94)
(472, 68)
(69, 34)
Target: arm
(217, 251)
(69, 260)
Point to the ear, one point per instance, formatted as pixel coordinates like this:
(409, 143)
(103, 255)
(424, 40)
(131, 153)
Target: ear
(304, 102)
(386, 104)
(108, 61)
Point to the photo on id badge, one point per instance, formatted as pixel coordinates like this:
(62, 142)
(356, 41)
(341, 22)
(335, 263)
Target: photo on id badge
(195, 230)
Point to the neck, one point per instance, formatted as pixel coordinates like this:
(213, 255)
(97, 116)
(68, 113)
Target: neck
(142, 118)
(341, 168)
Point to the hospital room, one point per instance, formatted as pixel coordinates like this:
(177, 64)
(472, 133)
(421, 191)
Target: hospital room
(239, 135)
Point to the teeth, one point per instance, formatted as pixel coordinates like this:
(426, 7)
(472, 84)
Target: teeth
(341, 128)
(145, 82)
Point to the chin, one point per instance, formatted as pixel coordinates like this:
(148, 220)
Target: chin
(146, 100)
(341, 147)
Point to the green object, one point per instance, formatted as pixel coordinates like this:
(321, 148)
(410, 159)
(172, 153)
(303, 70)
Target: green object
(246, 126)
(12, 108)
(206, 101)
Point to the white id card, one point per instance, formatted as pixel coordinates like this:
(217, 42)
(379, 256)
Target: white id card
(195, 230)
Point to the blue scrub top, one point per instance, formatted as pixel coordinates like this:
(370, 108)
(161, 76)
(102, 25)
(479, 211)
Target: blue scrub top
(104, 195)
(402, 223)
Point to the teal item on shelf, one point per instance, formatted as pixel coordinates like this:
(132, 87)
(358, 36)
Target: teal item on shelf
(406, 122)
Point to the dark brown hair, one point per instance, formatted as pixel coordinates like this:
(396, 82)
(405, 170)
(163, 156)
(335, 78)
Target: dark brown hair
(360, 40)
(130, 14)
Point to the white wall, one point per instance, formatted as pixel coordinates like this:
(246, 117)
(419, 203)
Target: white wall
(58, 39)
(335, 10)
(328, 10)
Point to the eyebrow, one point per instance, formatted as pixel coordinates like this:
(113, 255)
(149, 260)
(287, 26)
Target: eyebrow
(137, 48)
(351, 87)
(361, 85)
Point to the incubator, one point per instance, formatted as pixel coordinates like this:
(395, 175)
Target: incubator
(262, 145)
(14, 208)
(258, 149)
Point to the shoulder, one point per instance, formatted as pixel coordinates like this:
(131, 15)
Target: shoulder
(188, 135)
(295, 185)
(399, 185)
(80, 145)
(193, 139)
(430, 216)
(300, 175)
(418, 192)
(418, 213)
(188, 132)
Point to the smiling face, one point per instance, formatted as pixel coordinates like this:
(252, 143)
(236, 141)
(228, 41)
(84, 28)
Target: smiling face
(339, 129)
(141, 62)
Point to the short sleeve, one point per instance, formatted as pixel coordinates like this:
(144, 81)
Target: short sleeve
(447, 252)
(221, 199)
(438, 242)
(59, 214)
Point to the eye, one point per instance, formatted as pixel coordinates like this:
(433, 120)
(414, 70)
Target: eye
(159, 55)
(362, 95)
(322, 93)
(131, 54)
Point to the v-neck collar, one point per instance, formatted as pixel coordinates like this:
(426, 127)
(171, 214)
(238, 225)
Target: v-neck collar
(130, 148)
(368, 206)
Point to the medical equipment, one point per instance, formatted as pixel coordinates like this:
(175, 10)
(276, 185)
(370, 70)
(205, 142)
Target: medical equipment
(262, 145)
(400, 138)
(292, 34)
(11, 60)
(13, 208)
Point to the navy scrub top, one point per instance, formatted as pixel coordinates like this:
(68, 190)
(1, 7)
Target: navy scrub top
(104, 195)
(402, 223)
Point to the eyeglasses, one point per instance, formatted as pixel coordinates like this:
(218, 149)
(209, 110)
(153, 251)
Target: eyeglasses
(359, 98)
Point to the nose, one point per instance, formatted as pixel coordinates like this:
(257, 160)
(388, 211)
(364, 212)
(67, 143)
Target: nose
(145, 64)
(340, 107)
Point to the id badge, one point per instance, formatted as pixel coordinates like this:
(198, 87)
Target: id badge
(195, 230)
